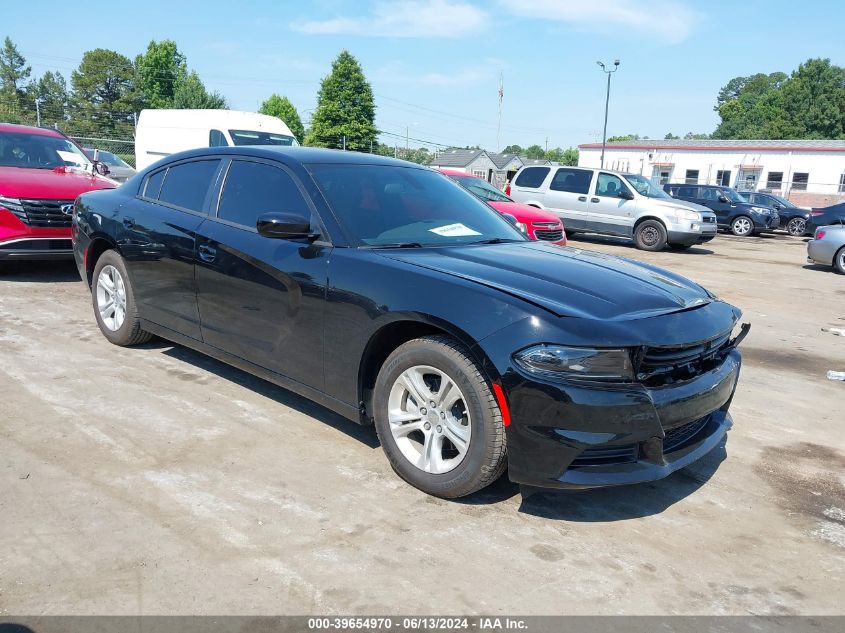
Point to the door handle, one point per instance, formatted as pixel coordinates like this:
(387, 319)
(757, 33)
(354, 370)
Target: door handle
(582, 198)
(207, 253)
(128, 222)
(594, 200)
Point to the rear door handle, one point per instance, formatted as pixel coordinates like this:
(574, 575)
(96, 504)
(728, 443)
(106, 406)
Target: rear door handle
(128, 222)
(207, 253)
(582, 198)
(594, 200)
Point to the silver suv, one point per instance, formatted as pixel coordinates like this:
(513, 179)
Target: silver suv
(612, 203)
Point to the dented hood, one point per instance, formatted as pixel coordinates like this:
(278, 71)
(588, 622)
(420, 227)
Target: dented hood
(568, 282)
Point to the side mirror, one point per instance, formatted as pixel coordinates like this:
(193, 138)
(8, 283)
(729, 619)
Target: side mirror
(101, 168)
(285, 226)
(723, 198)
(625, 194)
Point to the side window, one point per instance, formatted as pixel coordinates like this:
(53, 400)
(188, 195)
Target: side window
(255, 188)
(571, 180)
(216, 139)
(186, 185)
(152, 185)
(609, 185)
(532, 177)
(686, 192)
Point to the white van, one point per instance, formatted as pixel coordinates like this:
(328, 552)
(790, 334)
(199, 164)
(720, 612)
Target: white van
(613, 203)
(164, 132)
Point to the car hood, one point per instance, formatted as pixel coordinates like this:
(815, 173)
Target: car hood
(677, 202)
(565, 281)
(61, 183)
(523, 212)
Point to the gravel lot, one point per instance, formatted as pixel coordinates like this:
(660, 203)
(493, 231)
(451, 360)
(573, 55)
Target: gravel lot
(158, 481)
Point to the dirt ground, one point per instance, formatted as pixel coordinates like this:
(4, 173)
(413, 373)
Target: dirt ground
(155, 480)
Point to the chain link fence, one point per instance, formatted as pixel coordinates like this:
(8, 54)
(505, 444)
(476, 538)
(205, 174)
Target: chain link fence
(125, 149)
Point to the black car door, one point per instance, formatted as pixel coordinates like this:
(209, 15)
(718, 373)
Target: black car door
(158, 242)
(262, 299)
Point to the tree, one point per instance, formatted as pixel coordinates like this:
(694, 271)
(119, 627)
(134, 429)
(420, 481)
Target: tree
(281, 107)
(104, 96)
(192, 93)
(345, 108)
(814, 97)
(669, 137)
(570, 156)
(513, 149)
(53, 98)
(623, 138)
(695, 136)
(160, 71)
(535, 151)
(13, 73)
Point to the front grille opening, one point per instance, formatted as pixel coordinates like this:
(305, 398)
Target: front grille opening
(44, 213)
(678, 436)
(549, 235)
(657, 366)
(604, 455)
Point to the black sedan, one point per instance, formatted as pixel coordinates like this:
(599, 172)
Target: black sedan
(792, 217)
(826, 216)
(391, 295)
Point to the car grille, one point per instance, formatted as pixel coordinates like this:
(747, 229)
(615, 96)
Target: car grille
(666, 365)
(43, 213)
(709, 219)
(549, 235)
(677, 436)
(602, 455)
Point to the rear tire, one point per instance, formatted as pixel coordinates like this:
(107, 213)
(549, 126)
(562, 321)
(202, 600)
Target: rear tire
(796, 227)
(839, 261)
(650, 235)
(114, 302)
(437, 418)
(742, 226)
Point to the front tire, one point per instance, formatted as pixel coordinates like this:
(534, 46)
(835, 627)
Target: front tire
(650, 236)
(796, 227)
(839, 261)
(114, 302)
(742, 226)
(437, 418)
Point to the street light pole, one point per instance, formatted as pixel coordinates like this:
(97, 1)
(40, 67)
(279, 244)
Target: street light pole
(606, 105)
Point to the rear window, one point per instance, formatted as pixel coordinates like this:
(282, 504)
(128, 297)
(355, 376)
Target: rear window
(532, 177)
(186, 185)
(572, 180)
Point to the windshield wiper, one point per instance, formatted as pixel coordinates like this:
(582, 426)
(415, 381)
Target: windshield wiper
(398, 245)
(496, 240)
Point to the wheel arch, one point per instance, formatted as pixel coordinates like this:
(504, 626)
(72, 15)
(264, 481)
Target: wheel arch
(397, 332)
(99, 245)
(650, 217)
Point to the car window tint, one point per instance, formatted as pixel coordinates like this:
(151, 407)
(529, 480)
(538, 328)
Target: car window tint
(532, 177)
(686, 192)
(152, 185)
(609, 185)
(186, 184)
(255, 188)
(709, 194)
(216, 139)
(571, 180)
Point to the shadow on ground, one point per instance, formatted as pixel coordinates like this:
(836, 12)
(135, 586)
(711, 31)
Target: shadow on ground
(39, 272)
(584, 240)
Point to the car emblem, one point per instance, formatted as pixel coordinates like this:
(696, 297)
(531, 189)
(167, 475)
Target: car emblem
(67, 209)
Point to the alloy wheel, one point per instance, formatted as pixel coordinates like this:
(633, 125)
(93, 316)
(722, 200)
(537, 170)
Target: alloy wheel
(742, 226)
(796, 227)
(111, 298)
(429, 419)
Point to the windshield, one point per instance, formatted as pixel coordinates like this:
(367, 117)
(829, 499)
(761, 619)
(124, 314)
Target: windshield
(38, 151)
(385, 205)
(481, 188)
(112, 160)
(249, 137)
(645, 187)
(733, 196)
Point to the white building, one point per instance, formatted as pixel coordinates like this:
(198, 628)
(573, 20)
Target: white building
(808, 172)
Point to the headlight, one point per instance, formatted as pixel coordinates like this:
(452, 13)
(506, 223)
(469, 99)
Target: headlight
(762, 210)
(558, 362)
(522, 228)
(686, 214)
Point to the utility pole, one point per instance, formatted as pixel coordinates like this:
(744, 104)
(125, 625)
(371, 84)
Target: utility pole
(38, 111)
(547, 145)
(499, 126)
(606, 105)
(407, 145)
(344, 142)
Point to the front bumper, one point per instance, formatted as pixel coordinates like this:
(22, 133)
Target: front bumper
(36, 248)
(574, 436)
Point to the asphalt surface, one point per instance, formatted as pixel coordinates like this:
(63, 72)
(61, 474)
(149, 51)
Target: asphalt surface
(155, 480)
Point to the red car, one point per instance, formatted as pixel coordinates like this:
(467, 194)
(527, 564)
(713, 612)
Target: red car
(538, 224)
(41, 174)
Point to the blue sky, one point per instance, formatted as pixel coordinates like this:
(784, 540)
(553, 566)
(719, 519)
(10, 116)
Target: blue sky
(435, 64)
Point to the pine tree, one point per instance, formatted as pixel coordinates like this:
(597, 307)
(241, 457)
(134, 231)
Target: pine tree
(281, 107)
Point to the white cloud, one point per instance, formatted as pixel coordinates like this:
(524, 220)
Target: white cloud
(404, 18)
(669, 20)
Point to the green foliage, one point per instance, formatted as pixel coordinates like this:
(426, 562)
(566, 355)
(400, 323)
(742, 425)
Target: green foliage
(669, 137)
(281, 107)
(420, 155)
(13, 73)
(104, 95)
(557, 155)
(159, 72)
(535, 151)
(54, 100)
(192, 93)
(570, 156)
(623, 138)
(345, 108)
(809, 103)
(513, 149)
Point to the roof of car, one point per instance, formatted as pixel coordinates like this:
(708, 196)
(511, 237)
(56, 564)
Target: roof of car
(308, 155)
(28, 129)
